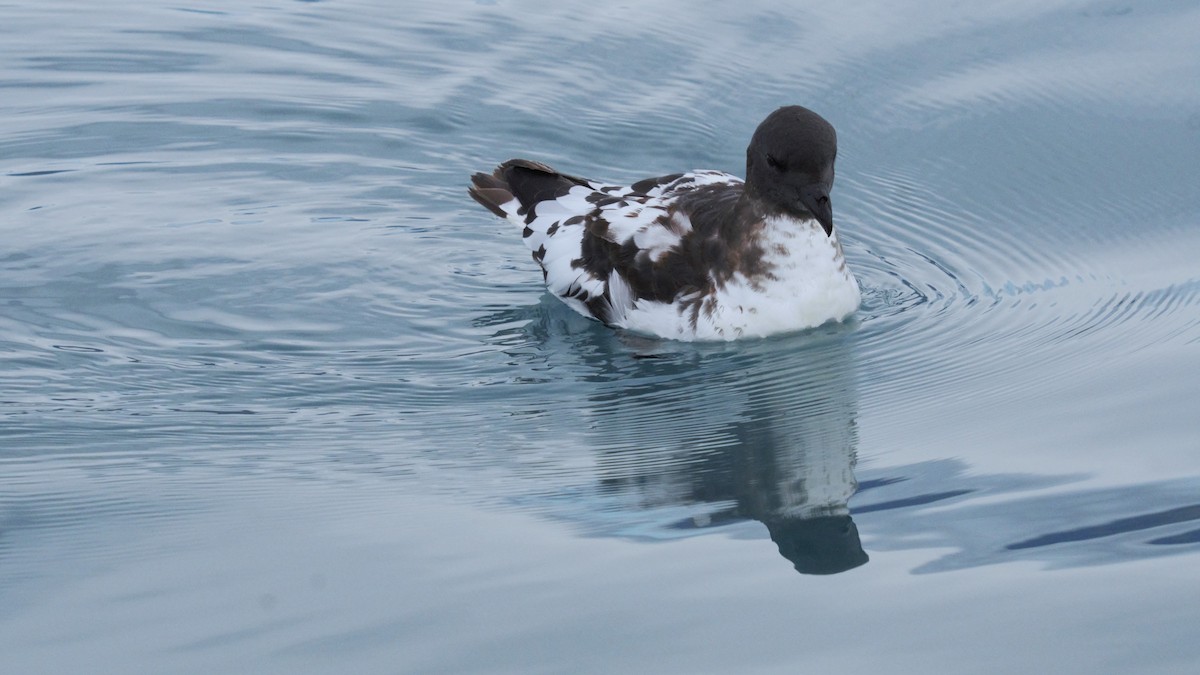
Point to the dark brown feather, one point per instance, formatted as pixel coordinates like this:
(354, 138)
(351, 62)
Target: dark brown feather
(491, 192)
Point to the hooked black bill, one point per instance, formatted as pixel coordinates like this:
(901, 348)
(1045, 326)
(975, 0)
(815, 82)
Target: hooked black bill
(815, 198)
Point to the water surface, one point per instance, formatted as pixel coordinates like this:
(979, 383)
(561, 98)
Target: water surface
(276, 396)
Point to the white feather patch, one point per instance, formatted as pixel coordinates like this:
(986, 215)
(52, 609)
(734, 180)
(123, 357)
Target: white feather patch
(808, 286)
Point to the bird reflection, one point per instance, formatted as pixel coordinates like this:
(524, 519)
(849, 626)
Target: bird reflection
(766, 434)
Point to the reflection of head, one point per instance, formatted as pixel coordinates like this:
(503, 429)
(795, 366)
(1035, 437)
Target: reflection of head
(820, 545)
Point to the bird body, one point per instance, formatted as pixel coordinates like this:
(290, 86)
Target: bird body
(701, 255)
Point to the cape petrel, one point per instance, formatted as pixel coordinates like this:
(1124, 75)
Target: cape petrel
(701, 255)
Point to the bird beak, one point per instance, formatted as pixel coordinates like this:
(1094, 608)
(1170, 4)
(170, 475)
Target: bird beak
(815, 198)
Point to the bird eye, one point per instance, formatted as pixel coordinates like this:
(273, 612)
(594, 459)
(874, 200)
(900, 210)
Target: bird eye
(775, 164)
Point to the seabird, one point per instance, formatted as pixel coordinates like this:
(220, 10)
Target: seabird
(701, 255)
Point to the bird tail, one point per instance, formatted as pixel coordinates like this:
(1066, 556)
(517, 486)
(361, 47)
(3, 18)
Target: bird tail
(517, 185)
(492, 192)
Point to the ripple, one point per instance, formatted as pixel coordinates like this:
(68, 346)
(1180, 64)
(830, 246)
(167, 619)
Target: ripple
(949, 297)
(260, 245)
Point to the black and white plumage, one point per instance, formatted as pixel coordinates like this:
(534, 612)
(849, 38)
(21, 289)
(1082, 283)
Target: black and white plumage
(700, 255)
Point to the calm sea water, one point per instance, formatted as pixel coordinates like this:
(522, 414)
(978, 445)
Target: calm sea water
(276, 396)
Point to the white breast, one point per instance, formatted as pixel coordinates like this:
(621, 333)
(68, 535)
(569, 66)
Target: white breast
(808, 285)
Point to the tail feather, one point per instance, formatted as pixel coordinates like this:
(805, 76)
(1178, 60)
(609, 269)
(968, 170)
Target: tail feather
(526, 181)
(491, 192)
(533, 182)
(533, 197)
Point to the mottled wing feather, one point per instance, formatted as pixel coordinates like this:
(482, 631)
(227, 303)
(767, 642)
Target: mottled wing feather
(602, 248)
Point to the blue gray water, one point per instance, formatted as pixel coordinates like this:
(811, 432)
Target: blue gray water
(277, 397)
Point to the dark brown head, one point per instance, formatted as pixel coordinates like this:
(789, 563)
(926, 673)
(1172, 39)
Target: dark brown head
(789, 164)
